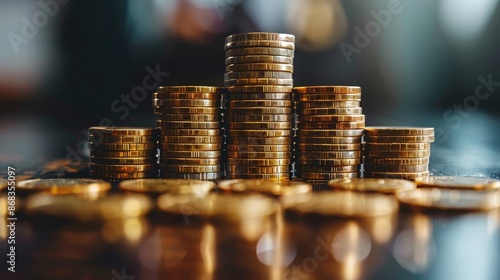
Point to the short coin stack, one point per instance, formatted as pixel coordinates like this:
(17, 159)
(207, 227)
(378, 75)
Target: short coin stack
(397, 152)
(258, 77)
(190, 131)
(123, 152)
(330, 130)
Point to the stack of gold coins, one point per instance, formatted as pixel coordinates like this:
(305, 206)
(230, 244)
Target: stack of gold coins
(189, 119)
(259, 80)
(123, 152)
(330, 131)
(397, 152)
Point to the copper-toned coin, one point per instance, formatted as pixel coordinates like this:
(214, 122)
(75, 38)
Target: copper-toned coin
(331, 133)
(259, 133)
(372, 185)
(328, 169)
(329, 147)
(330, 97)
(332, 118)
(206, 89)
(330, 140)
(458, 182)
(260, 96)
(122, 139)
(327, 89)
(191, 139)
(259, 148)
(123, 175)
(186, 102)
(450, 199)
(400, 139)
(397, 175)
(397, 146)
(329, 175)
(398, 131)
(190, 161)
(262, 176)
(398, 154)
(259, 125)
(187, 95)
(121, 131)
(157, 186)
(197, 176)
(122, 147)
(331, 125)
(328, 161)
(258, 162)
(186, 110)
(190, 154)
(260, 110)
(331, 111)
(66, 186)
(396, 168)
(189, 117)
(260, 43)
(191, 132)
(259, 59)
(257, 74)
(259, 81)
(259, 66)
(251, 36)
(124, 160)
(123, 168)
(236, 140)
(259, 169)
(187, 125)
(190, 168)
(259, 89)
(124, 154)
(396, 161)
(258, 155)
(190, 147)
(330, 104)
(266, 187)
(260, 103)
(260, 117)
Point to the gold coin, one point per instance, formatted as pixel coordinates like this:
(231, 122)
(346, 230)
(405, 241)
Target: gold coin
(157, 186)
(123, 160)
(400, 139)
(260, 118)
(197, 176)
(329, 140)
(186, 102)
(258, 162)
(258, 155)
(124, 154)
(122, 147)
(259, 110)
(190, 168)
(458, 182)
(397, 161)
(398, 154)
(123, 168)
(186, 124)
(328, 161)
(331, 125)
(397, 175)
(328, 169)
(259, 66)
(259, 133)
(397, 146)
(260, 103)
(329, 147)
(257, 74)
(450, 199)
(372, 185)
(190, 154)
(66, 186)
(258, 81)
(259, 59)
(110, 207)
(332, 118)
(190, 161)
(186, 89)
(266, 187)
(396, 168)
(122, 175)
(259, 51)
(345, 204)
(260, 125)
(330, 104)
(191, 132)
(262, 176)
(260, 43)
(329, 175)
(331, 154)
(187, 95)
(260, 96)
(259, 169)
(398, 131)
(259, 89)
(331, 133)
(330, 97)
(331, 111)
(122, 139)
(191, 139)
(259, 148)
(190, 147)
(186, 110)
(235, 140)
(121, 131)
(252, 36)
(327, 89)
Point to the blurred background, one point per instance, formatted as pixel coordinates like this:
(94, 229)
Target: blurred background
(66, 65)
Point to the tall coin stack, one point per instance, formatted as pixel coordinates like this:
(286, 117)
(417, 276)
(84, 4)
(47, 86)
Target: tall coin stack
(397, 152)
(330, 132)
(189, 119)
(123, 152)
(258, 77)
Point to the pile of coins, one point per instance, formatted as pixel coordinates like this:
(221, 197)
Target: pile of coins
(123, 152)
(397, 152)
(330, 131)
(258, 77)
(189, 119)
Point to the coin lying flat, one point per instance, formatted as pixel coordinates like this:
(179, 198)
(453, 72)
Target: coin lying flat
(397, 154)
(124, 160)
(123, 168)
(262, 176)
(378, 185)
(122, 147)
(329, 97)
(167, 185)
(258, 161)
(259, 59)
(328, 89)
(260, 66)
(121, 131)
(187, 95)
(259, 81)
(329, 169)
(400, 139)
(260, 96)
(274, 188)
(450, 199)
(58, 186)
(197, 176)
(252, 36)
(398, 131)
(260, 43)
(260, 89)
(397, 146)
(329, 139)
(396, 168)
(207, 89)
(122, 175)
(329, 175)
(458, 182)
(396, 175)
(121, 139)
(332, 111)
(396, 161)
